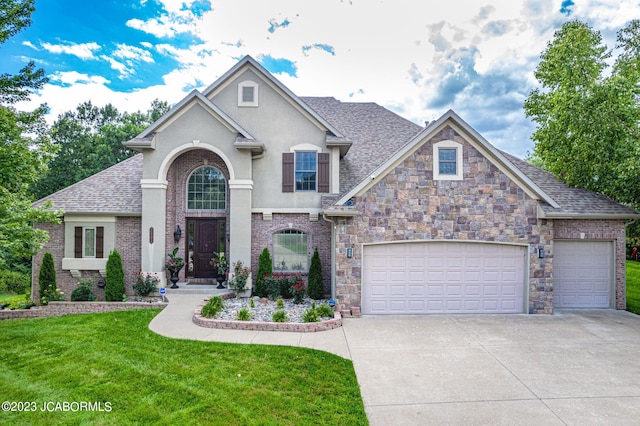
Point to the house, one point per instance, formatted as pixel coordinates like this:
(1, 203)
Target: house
(406, 219)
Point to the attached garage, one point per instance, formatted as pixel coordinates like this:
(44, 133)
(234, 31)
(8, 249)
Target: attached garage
(583, 274)
(443, 277)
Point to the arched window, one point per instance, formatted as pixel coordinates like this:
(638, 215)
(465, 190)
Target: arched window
(207, 189)
(290, 251)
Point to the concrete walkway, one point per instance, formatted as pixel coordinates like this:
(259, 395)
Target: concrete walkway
(575, 367)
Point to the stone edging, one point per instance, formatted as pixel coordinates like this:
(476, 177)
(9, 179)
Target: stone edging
(58, 309)
(299, 327)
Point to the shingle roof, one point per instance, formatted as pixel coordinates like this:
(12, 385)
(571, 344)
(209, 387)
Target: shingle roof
(114, 190)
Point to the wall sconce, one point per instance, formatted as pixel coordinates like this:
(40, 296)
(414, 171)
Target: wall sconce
(228, 236)
(541, 253)
(349, 252)
(177, 234)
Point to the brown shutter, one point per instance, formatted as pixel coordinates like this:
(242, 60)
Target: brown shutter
(100, 242)
(78, 242)
(288, 160)
(323, 172)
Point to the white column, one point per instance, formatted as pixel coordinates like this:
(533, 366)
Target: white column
(153, 227)
(240, 222)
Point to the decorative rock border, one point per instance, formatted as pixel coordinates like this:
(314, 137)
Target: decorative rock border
(299, 327)
(58, 309)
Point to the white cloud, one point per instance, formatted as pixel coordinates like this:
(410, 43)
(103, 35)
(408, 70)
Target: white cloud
(82, 50)
(132, 53)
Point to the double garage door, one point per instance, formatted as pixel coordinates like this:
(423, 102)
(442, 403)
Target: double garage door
(443, 277)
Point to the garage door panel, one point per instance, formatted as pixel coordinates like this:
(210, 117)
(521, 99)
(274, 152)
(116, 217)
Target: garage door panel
(583, 274)
(443, 277)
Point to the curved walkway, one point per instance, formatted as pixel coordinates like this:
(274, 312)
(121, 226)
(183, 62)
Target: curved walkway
(574, 367)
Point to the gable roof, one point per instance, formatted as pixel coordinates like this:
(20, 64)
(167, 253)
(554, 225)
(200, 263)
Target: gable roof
(115, 190)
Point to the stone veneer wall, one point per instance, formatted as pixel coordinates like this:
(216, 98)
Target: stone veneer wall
(610, 230)
(408, 205)
(318, 235)
(128, 244)
(177, 212)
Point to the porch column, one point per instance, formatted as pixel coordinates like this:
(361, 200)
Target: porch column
(153, 227)
(240, 221)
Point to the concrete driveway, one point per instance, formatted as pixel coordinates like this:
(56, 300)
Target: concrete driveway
(575, 367)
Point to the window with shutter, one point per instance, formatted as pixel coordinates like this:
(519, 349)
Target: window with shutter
(323, 172)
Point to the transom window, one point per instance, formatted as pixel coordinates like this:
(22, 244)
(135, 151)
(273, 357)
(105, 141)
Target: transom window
(207, 189)
(306, 170)
(290, 251)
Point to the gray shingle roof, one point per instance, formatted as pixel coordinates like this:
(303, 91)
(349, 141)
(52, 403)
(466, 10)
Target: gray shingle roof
(114, 190)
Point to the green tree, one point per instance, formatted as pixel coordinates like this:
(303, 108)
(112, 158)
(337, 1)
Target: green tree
(265, 266)
(315, 289)
(114, 281)
(48, 287)
(24, 150)
(89, 140)
(587, 118)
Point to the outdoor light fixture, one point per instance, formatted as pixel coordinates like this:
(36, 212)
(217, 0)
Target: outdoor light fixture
(177, 234)
(349, 252)
(540, 253)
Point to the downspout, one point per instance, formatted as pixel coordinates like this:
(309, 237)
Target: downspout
(333, 255)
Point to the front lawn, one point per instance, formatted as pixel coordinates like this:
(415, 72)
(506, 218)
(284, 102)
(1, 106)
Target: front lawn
(143, 378)
(633, 286)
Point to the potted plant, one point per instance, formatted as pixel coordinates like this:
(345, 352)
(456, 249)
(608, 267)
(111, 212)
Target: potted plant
(221, 266)
(239, 279)
(174, 265)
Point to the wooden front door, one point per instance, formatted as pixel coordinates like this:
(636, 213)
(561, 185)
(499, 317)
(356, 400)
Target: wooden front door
(206, 236)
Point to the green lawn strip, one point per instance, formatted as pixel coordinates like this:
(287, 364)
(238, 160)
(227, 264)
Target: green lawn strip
(148, 378)
(633, 286)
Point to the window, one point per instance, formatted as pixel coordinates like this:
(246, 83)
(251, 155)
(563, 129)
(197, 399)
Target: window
(306, 168)
(290, 251)
(447, 161)
(89, 242)
(207, 189)
(248, 94)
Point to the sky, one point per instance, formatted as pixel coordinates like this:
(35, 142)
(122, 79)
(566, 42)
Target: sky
(417, 58)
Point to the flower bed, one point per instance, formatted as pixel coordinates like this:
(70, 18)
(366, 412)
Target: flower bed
(261, 316)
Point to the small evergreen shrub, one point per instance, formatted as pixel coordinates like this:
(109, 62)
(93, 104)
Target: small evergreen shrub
(84, 292)
(114, 286)
(279, 316)
(47, 280)
(265, 267)
(212, 307)
(243, 315)
(314, 288)
(280, 304)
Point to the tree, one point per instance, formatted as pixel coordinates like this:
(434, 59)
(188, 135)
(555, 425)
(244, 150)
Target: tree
(587, 119)
(265, 266)
(89, 140)
(47, 280)
(24, 149)
(315, 289)
(114, 281)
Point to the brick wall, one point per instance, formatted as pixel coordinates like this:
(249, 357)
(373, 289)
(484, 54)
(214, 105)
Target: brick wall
(318, 235)
(129, 245)
(607, 230)
(408, 205)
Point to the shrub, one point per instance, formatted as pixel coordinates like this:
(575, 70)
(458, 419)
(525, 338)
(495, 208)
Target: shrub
(145, 284)
(279, 286)
(297, 289)
(315, 289)
(325, 311)
(240, 277)
(114, 286)
(243, 315)
(280, 304)
(14, 282)
(212, 307)
(279, 316)
(84, 292)
(47, 280)
(311, 314)
(265, 267)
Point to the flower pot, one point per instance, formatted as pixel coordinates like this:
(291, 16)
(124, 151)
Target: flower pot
(174, 279)
(220, 278)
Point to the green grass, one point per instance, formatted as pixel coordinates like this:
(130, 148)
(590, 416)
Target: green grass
(6, 297)
(633, 286)
(150, 379)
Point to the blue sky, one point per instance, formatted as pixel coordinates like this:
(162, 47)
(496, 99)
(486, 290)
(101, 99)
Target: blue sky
(418, 59)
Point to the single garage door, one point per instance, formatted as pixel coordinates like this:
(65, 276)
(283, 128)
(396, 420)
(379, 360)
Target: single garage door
(441, 277)
(583, 276)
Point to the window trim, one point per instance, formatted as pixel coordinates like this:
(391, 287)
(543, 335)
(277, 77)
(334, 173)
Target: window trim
(245, 84)
(188, 192)
(448, 144)
(84, 242)
(305, 266)
(296, 171)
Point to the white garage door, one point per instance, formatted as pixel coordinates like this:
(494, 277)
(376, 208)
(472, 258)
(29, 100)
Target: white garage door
(440, 277)
(582, 272)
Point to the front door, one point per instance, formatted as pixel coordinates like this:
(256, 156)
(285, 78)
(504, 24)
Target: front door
(206, 236)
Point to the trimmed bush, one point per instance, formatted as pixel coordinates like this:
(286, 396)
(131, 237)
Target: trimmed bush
(83, 293)
(314, 287)
(265, 267)
(14, 282)
(114, 282)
